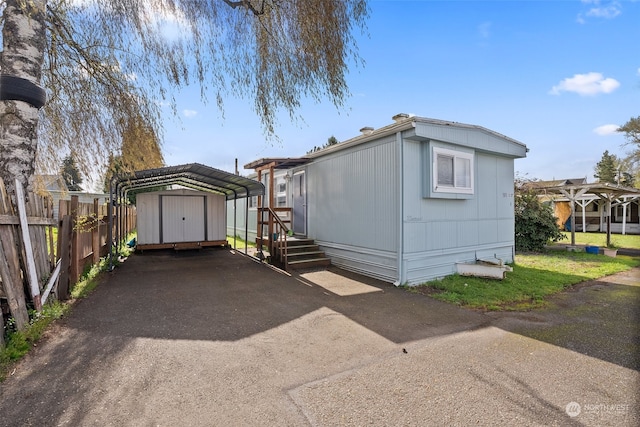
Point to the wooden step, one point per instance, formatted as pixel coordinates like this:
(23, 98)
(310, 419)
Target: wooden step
(297, 242)
(296, 256)
(309, 263)
(302, 248)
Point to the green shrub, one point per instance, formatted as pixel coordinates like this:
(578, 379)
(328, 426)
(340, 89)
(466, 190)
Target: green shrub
(535, 223)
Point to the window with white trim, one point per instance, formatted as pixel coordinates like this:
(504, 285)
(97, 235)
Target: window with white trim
(452, 171)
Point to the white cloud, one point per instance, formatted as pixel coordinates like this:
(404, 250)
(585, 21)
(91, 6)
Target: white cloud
(601, 10)
(639, 71)
(606, 130)
(586, 84)
(189, 113)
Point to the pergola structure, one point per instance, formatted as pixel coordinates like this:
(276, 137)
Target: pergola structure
(613, 195)
(194, 175)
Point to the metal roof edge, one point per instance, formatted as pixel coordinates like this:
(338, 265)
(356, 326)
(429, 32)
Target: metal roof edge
(402, 125)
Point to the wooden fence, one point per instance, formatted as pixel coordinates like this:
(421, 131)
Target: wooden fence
(40, 257)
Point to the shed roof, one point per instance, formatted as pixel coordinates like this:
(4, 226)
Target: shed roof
(195, 176)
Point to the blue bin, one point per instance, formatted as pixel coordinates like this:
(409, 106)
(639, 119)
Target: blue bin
(592, 250)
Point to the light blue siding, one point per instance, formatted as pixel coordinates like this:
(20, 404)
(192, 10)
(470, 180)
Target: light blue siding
(372, 209)
(440, 232)
(352, 209)
(239, 214)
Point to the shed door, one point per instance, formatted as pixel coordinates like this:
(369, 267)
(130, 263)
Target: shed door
(183, 219)
(299, 204)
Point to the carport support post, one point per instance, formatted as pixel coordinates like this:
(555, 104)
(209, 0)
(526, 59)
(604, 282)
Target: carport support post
(573, 196)
(95, 232)
(608, 213)
(110, 230)
(235, 214)
(246, 224)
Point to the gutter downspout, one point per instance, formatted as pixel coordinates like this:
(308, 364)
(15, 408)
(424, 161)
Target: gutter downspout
(400, 201)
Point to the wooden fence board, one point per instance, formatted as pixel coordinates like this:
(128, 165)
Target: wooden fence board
(32, 275)
(47, 268)
(10, 266)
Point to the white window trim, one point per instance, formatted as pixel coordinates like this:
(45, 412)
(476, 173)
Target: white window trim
(456, 155)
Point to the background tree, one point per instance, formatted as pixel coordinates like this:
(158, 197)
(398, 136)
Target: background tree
(614, 170)
(140, 150)
(535, 222)
(631, 131)
(70, 173)
(606, 169)
(332, 140)
(104, 61)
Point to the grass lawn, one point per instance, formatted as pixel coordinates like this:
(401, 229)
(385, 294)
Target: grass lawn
(239, 243)
(628, 241)
(534, 277)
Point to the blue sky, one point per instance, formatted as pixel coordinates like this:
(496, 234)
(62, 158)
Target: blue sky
(555, 75)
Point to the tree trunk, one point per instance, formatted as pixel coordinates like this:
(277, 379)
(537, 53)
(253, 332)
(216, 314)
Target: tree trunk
(24, 38)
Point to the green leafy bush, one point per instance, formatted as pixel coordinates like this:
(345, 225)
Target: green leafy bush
(535, 222)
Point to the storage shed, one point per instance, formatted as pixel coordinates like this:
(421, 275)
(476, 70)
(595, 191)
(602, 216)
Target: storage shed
(192, 215)
(181, 218)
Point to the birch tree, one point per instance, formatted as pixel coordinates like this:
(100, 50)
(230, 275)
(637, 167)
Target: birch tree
(105, 61)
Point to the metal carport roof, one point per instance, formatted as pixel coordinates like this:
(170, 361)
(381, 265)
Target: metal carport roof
(193, 175)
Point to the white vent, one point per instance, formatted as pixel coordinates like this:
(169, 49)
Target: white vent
(400, 117)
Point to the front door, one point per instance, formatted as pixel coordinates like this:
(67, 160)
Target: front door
(299, 204)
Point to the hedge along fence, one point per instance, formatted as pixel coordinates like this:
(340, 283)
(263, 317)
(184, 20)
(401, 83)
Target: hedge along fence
(33, 266)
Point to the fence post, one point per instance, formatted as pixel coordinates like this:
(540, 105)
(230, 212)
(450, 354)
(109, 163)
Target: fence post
(75, 242)
(64, 250)
(95, 232)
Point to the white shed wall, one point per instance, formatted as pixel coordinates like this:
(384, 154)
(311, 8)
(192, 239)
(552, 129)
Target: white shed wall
(149, 214)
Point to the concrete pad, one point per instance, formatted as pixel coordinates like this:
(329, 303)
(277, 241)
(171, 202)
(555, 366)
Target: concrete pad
(337, 284)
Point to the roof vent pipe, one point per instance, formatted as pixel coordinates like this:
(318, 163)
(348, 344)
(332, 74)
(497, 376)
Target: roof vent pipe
(366, 130)
(399, 117)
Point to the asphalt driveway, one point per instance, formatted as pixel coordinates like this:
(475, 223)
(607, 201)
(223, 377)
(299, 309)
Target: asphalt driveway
(212, 338)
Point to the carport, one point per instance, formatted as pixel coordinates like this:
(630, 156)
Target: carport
(194, 176)
(611, 194)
